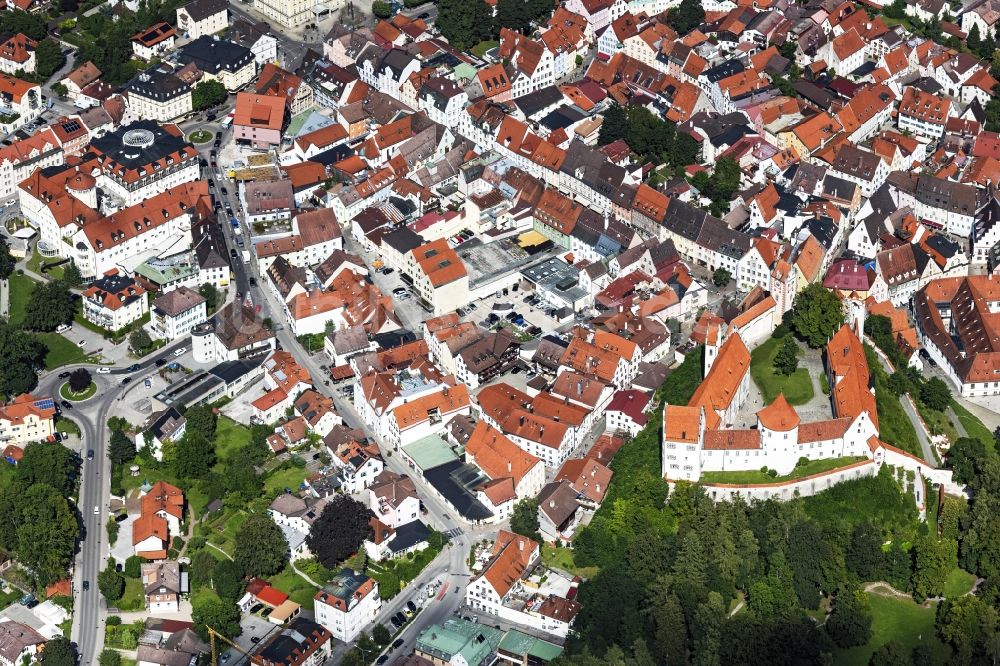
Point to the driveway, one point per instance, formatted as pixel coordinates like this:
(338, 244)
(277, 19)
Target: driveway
(122, 550)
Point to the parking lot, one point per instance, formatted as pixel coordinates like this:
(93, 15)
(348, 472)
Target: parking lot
(507, 306)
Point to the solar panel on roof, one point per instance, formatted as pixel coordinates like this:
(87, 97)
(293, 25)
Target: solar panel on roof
(45, 404)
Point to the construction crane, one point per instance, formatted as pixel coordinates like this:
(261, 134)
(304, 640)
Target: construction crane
(212, 634)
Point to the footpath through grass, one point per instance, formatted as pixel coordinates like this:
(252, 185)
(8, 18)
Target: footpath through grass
(757, 477)
(797, 387)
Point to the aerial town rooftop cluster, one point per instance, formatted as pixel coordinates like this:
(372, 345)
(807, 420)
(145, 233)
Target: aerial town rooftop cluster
(453, 276)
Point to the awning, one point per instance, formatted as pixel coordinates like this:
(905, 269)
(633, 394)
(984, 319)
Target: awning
(531, 238)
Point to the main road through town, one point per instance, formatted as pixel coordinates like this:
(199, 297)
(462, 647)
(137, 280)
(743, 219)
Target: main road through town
(89, 609)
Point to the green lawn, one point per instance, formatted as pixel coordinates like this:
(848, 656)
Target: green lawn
(133, 599)
(797, 387)
(756, 476)
(895, 619)
(290, 477)
(21, 287)
(295, 586)
(222, 530)
(230, 438)
(35, 266)
(958, 583)
(481, 48)
(64, 424)
(7, 598)
(973, 426)
(61, 351)
(66, 392)
(562, 558)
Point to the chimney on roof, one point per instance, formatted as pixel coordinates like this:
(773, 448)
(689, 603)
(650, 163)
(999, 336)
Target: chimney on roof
(520, 544)
(552, 504)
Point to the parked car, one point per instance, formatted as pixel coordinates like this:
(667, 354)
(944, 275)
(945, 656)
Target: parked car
(396, 644)
(388, 271)
(180, 351)
(412, 606)
(104, 370)
(63, 375)
(126, 381)
(90, 454)
(381, 660)
(159, 362)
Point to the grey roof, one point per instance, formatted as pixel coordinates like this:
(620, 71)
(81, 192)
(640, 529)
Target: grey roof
(200, 10)
(166, 423)
(15, 637)
(215, 55)
(209, 245)
(160, 577)
(408, 535)
(558, 501)
(178, 300)
(403, 240)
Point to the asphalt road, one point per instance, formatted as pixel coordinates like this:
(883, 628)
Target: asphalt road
(95, 488)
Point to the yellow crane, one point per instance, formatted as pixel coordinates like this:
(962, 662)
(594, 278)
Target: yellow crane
(212, 634)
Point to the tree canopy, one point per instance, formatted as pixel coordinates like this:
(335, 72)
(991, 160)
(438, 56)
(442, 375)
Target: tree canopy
(524, 519)
(59, 652)
(20, 355)
(121, 448)
(686, 17)
(50, 307)
(7, 262)
(195, 455)
(208, 94)
(648, 135)
(261, 549)
(79, 380)
(339, 531)
(817, 314)
(220, 614)
(464, 23)
(50, 464)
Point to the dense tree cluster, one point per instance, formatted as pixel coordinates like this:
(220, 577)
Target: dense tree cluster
(465, 23)
(648, 135)
(21, 355)
(261, 549)
(673, 565)
(38, 523)
(721, 185)
(686, 17)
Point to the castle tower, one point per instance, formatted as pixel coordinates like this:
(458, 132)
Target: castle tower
(779, 434)
(854, 309)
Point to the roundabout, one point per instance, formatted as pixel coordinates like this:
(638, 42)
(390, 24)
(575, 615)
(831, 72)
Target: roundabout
(200, 136)
(66, 392)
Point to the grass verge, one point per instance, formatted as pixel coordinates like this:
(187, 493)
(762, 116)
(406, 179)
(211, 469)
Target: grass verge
(21, 287)
(68, 394)
(973, 426)
(800, 471)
